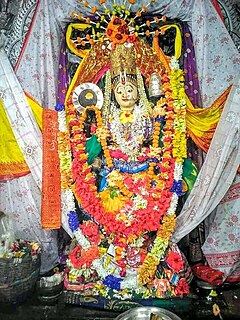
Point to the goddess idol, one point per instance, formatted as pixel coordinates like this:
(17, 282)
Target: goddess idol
(121, 154)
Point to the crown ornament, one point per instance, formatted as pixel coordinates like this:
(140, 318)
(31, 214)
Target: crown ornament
(123, 64)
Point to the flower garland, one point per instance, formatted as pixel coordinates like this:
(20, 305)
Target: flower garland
(148, 268)
(92, 202)
(173, 142)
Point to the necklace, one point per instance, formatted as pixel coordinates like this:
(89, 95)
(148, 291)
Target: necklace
(129, 136)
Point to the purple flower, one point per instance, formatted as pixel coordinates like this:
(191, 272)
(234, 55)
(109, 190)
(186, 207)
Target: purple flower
(112, 282)
(73, 220)
(177, 187)
(159, 119)
(59, 107)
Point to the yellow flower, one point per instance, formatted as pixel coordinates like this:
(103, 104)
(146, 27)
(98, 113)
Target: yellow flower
(113, 178)
(112, 204)
(102, 133)
(154, 152)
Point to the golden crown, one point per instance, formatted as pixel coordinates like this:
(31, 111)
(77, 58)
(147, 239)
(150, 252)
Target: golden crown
(123, 62)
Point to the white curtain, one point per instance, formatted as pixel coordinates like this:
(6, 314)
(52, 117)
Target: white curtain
(218, 170)
(20, 198)
(21, 118)
(216, 68)
(222, 245)
(37, 69)
(218, 65)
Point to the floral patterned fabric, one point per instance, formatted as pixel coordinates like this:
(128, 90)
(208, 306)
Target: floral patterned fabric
(21, 118)
(19, 30)
(20, 198)
(222, 245)
(218, 170)
(40, 57)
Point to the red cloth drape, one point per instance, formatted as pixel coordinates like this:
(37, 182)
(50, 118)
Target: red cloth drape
(218, 9)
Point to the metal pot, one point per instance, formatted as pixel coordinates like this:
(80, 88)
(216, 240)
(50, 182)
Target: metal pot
(146, 313)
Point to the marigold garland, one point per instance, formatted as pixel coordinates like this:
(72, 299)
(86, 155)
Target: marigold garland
(173, 145)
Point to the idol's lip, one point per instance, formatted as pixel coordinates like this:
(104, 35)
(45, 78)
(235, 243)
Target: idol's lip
(125, 100)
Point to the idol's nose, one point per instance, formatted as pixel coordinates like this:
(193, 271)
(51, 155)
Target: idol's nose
(124, 93)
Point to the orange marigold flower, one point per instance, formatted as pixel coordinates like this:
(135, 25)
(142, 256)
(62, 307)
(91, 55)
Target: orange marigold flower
(147, 33)
(144, 8)
(79, 16)
(164, 18)
(88, 20)
(148, 23)
(86, 4)
(102, 1)
(94, 9)
(156, 19)
(132, 1)
(138, 14)
(72, 14)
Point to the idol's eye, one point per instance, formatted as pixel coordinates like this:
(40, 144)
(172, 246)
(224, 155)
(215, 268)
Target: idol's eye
(129, 89)
(119, 90)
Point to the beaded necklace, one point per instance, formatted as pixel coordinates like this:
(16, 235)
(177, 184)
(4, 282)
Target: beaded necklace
(129, 136)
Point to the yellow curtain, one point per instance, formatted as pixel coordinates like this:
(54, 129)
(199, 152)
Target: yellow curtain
(12, 163)
(178, 39)
(36, 109)
(71, 45)
(201, 123)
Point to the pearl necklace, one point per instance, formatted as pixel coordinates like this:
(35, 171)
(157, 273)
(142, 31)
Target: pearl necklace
(129, 137)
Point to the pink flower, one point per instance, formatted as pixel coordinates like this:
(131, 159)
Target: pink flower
(231, 237)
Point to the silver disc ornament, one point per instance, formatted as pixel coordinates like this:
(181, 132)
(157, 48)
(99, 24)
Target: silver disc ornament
(87, 94)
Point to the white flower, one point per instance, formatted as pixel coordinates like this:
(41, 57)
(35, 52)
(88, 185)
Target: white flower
(174, 63)
(62, 125)
(81, 239)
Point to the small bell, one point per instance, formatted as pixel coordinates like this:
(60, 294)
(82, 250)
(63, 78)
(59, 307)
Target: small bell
(155, 85)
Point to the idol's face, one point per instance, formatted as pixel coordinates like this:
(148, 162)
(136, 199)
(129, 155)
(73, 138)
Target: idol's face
(126, 95)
